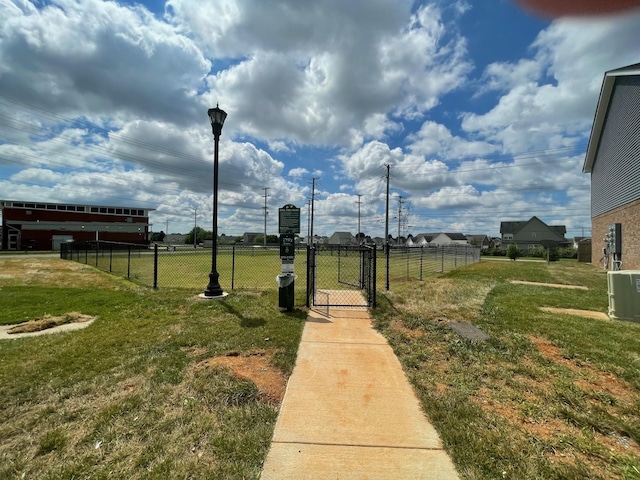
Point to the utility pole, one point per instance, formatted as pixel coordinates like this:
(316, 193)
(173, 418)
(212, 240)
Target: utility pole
(400, 202)
(167, 222)
(359, 203)
(309, 222)
(266, 212)
(386, 233)
(313, 195)
(386, 222)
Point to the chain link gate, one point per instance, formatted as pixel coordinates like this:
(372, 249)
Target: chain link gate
(345, 277)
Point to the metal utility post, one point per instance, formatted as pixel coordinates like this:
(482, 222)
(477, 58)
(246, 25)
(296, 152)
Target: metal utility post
(266, 212)
(359, 203)
(400, 202)
(313, 195)
(309, 222)
(195, 227)
(386, 234)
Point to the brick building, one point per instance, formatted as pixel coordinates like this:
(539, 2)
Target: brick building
(44, 225)
(613, 160)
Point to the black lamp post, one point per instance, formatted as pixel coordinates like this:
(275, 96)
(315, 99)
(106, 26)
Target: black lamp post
(217, 117)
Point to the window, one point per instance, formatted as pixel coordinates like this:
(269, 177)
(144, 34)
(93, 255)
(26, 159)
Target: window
(94, 209)
(508, 236)
(61, 207)
(126, 211)
(79, 209)
(533, 234)
(103, 210)
(118, 211)
(40, 206)
(51, 207)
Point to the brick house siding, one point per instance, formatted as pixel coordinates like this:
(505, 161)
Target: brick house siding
(629, 216)
(613, 161)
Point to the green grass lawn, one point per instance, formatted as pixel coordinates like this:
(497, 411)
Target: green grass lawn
(154, 387)
(549, 396)
(137, 393)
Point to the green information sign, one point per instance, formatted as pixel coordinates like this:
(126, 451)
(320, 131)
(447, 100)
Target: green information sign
(287, 246)
(289, 219)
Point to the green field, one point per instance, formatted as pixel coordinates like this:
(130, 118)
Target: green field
(257, 268)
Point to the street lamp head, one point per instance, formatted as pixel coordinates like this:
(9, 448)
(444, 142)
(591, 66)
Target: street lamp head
(217, 117)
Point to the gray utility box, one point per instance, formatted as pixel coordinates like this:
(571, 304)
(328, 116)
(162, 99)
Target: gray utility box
(286, 290)
(624, 294)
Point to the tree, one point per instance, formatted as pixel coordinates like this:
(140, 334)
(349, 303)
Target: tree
(201, 236)
(158, 236)
(512, 251)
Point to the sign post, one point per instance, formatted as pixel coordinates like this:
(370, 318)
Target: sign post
(288, 226)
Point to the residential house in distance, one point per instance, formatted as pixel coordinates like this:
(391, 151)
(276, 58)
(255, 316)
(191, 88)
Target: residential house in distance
(613, 160)
(423, 239)
(249, 238)
(448, 239)
(482, 241)
(342, 238)
(532, 234)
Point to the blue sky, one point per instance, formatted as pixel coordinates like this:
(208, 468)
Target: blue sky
(482, 110)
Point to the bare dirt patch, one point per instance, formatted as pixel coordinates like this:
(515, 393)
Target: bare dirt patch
(555, 285)
(399, 326)
(52, 272)
(591, 378)
(254, 366)
(576, 312)
(47, 324)
(49, 321)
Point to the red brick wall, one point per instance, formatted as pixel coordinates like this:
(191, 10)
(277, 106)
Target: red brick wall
(629, 217)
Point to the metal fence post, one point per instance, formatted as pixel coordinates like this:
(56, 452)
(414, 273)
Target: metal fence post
(155, 265)
(97, 249)
(408, 254)
(442, 266)
(387, 249)
(110, 258)
(129, 261)
(233, 266)
(421, 260)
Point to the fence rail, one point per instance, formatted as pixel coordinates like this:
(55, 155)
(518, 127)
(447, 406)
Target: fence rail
(247, 267)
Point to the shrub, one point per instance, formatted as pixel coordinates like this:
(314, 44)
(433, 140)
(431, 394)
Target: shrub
(568, 252)
(537, 252)
(513, 252)
(554, 255)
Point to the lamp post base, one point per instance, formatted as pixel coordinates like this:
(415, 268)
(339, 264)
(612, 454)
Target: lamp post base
(213, 289)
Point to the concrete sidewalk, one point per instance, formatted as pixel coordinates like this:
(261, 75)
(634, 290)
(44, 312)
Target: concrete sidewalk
(349, 411)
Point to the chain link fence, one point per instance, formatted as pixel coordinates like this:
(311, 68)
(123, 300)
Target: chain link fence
(255, 267)
(407, 264)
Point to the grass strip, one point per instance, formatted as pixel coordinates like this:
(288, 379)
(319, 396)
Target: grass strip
(137, 394)
(549, 396)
